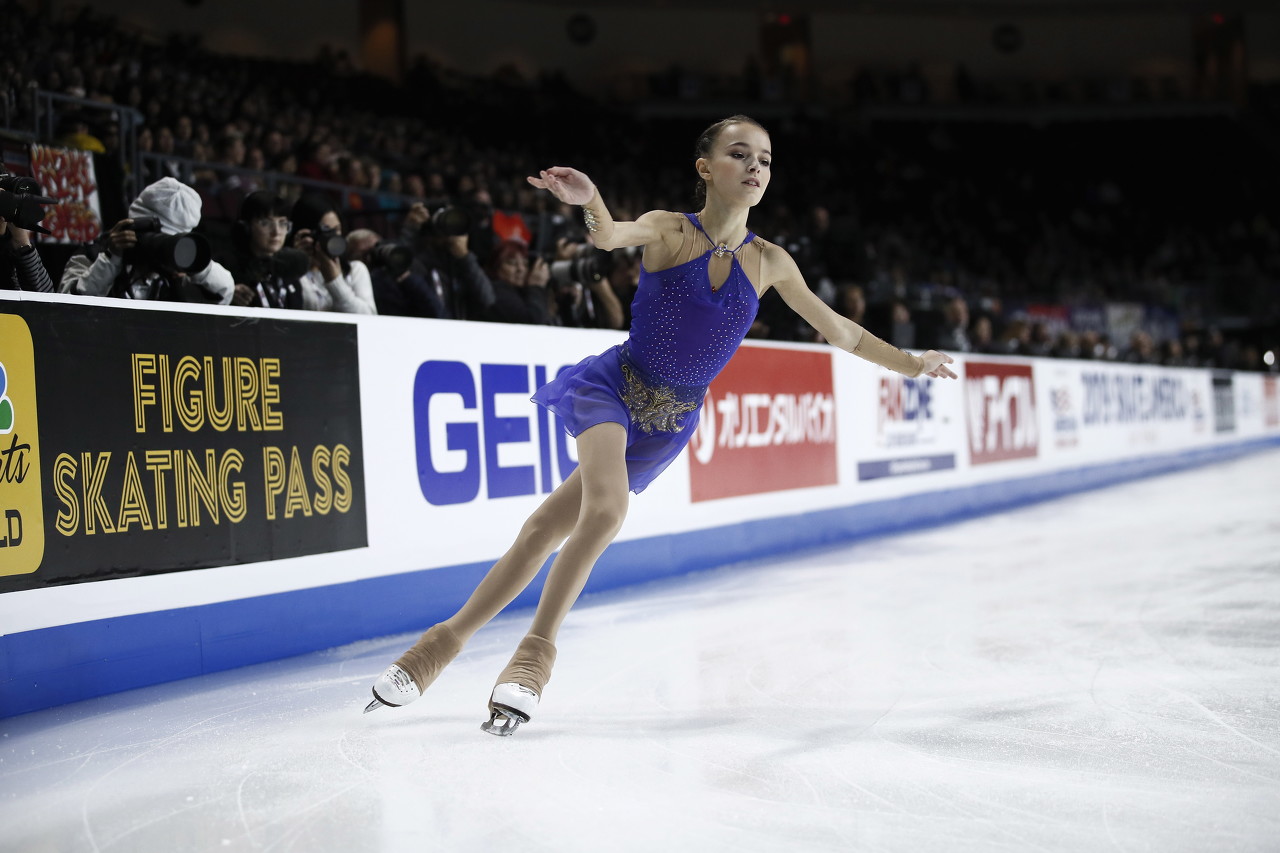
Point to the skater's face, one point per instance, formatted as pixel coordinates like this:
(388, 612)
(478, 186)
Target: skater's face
(739, 166)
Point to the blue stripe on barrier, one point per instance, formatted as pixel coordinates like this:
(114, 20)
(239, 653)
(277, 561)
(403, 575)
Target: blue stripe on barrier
(68, 663)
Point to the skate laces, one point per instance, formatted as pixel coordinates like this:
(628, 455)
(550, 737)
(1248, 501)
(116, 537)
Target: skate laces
(430, 655)
(400, 679)
(531, 665)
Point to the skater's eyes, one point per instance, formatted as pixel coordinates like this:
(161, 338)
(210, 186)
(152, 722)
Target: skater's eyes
(764, 161)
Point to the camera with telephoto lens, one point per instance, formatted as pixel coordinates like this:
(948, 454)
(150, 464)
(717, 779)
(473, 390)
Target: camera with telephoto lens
(187, 252)
(447, 221)
(392, 257)
(329, 241)
(22, 204)
(289, 264)
(587, 265)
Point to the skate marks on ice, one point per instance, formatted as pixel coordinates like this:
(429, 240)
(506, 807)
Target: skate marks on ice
(1096, 673)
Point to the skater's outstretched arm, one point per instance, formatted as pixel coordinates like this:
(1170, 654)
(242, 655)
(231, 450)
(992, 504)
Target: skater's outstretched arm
(780, 271)
(574, 187)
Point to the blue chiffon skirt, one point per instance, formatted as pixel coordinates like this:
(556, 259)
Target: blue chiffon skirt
(612, 388)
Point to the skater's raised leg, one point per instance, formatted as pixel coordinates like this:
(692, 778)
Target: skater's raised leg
(406, 679)
(603, 471)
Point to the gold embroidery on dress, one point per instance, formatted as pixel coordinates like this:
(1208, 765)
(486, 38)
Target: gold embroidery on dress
(653, 408)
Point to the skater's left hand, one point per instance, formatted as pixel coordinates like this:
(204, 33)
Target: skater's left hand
(935, 365)
(568, 185)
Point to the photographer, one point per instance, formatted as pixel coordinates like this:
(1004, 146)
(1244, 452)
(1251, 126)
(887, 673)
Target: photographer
(333, 283)
(20, 264)
(444, 260)
(580, 284)
(21, 209)
(267, 274)
(153, 254)
(399, 286)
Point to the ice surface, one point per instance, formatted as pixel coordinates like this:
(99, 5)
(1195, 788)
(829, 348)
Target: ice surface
(1096, 673)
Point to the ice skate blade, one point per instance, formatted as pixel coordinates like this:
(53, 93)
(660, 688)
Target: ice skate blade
(502, 724)
(376, 704)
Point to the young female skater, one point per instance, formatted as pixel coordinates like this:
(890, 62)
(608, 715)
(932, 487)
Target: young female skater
(634, 407)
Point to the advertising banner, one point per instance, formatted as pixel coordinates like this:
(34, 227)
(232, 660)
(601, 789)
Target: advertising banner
(1224, 403)
(768, 424)
(911, 432)
(477, 436)
(168, 441)
(1000, 408)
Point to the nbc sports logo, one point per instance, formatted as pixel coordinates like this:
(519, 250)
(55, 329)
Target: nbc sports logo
(6, 405)
(21, 509)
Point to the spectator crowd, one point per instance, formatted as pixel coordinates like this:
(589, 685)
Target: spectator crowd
(312, 186)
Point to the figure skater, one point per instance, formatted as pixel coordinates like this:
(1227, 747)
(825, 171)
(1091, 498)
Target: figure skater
(633, 408)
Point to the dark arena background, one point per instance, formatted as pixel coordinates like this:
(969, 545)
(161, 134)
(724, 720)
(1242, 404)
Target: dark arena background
(1030, 610)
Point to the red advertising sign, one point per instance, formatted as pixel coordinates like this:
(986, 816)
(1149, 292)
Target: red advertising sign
(1000, 407)
(768, 424)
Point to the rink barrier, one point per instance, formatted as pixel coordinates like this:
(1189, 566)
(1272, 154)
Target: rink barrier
(68, 663)
(374, 467)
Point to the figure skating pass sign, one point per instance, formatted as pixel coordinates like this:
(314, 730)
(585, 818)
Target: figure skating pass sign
(1000, 408)
(171, 441)
(768, 424)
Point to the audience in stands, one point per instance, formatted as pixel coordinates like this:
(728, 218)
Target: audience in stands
(928, 221)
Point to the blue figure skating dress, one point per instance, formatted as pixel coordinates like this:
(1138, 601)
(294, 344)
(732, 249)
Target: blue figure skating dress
(683, 333)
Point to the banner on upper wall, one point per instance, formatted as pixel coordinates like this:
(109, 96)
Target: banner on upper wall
(137, 442)
(69, 177)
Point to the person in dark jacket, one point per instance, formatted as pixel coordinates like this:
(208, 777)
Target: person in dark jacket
(266, 273)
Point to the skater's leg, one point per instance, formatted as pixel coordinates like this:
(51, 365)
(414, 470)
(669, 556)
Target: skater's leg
(550, 523)
(404, 681)
(603, 507)
(602, 465)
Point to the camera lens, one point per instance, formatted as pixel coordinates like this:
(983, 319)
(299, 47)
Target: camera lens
(392, 257)
(448, 222)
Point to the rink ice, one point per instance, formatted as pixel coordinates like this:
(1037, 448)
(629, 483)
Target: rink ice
(1100, 672)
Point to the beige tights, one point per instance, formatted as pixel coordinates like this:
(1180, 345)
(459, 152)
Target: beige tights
(588, 509)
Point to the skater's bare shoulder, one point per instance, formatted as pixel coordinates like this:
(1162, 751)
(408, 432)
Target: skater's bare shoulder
(777, 268)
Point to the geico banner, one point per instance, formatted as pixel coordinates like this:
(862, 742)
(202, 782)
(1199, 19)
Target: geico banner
(1000, 411)
(768, 424)
(147, 441)
(476, 435)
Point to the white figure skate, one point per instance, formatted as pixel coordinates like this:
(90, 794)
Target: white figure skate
(520, 686)
(404, 681)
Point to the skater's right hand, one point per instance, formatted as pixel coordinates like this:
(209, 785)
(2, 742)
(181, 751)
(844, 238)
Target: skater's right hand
(935, 365)
(568, 185)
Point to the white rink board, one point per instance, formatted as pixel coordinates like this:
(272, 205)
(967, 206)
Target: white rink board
(1004, 421)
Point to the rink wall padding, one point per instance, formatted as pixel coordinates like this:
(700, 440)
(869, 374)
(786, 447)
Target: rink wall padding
(187, 489)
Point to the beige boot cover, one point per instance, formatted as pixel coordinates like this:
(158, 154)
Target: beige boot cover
(430, 655)
(531, 665)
